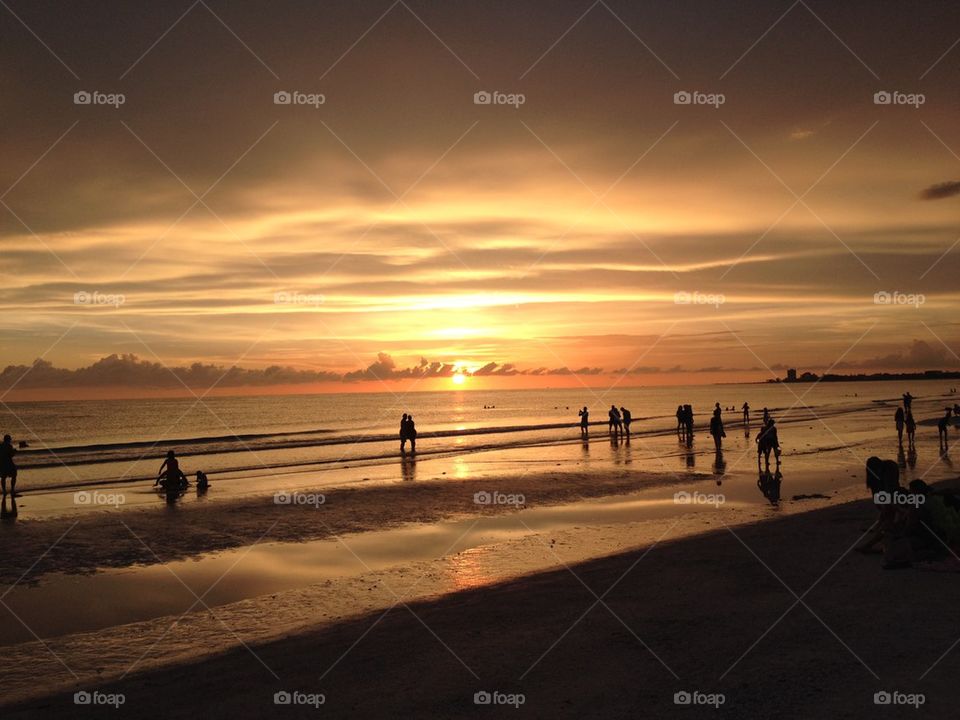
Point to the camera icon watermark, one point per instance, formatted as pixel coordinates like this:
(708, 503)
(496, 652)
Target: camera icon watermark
(86, 97)
(96, 298)
(895, 97)
(899, 298)
(95, 697)
(684, 697)
(495, 697)
(682, 297)
(495, 97)
(295, 97)
(899, 498)
(295, 697)
(884, 697)
(96, 498)
(698, 498)
(285, 497)
(695, 97)
(286, 297)
(498, 498)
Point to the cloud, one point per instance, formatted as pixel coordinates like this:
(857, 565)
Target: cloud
(128, 370)
(920, 355)
(940, 191)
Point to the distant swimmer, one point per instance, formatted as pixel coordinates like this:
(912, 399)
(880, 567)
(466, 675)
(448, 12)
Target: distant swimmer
(8, 466)
(900, 419)
(584, 421)
(746, 413)
(627, 419)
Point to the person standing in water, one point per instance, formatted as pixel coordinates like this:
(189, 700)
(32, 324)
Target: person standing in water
(943, 429)
(911, 430)
(614, 424)
(681, 426)
(627, 419)
(899, 419)
(746, 413)
(8, 467)
(584, 421)
(907, 401)
(403, 433)
(716, 429)
(412, 433)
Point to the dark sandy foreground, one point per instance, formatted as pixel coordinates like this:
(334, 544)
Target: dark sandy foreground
(698, 603)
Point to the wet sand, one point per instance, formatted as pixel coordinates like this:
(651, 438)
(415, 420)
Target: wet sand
(715, 613)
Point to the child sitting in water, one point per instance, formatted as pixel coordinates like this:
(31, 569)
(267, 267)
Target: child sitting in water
(202, 483)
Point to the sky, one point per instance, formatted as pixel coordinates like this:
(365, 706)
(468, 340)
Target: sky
(587, 226)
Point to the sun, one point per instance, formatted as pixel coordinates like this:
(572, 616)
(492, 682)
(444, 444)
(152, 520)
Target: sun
(458, 378)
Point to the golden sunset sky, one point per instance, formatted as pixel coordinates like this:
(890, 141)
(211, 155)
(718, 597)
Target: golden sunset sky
(599, 227)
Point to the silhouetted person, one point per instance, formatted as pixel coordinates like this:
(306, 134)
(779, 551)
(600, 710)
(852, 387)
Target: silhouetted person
(907, 401)
(584, 421)
(883, 476)
(615, 423)
(688, 423)
(412, 433)
(911, 426)
(681, 425)
(746, 413)
(943, 429)
(766, 416)
(900, 419)
(8, 466)
(170, 477)
(627, 419)
(768, 441)
(203, 484)
(404, 433)
(716, 428)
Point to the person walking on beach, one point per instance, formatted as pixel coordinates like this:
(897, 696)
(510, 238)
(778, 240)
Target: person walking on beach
(8, 467)
(404, 430)
(898, 418)
(584, 421)
(627, 419)
(943, 426)
(911, 430)
(716, 429)
(412, 433)
(746, 413)
(768, 441)
(688, 423)
(615, 424)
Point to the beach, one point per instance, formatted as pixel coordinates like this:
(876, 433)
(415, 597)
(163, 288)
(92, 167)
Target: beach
(318, 581)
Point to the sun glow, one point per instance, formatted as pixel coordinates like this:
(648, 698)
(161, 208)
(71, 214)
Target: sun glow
(458, 378)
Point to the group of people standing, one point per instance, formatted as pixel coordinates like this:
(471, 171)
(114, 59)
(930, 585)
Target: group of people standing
(618, 421)
(408, 431)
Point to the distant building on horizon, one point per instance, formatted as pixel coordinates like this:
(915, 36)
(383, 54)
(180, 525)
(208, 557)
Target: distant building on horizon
(792, 375)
